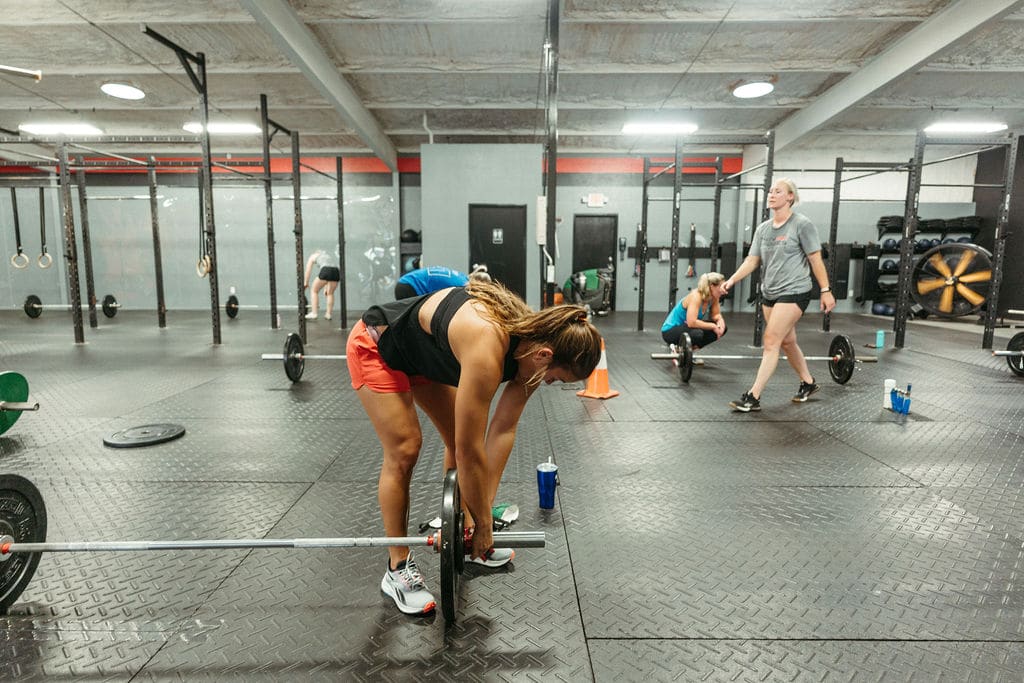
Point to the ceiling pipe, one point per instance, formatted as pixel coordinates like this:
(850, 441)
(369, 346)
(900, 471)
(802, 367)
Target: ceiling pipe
(302, 47)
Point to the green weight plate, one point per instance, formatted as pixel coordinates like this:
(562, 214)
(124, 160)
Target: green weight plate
(33, 306)
(13, 388)
(1016, 363)
(110, 306)
(685, 358)
(294, 361)
(231, 307)
(453, 546)
(841, 370)
(145, 435)
(23, 518)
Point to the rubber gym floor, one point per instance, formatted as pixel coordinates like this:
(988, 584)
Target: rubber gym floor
(831, 540)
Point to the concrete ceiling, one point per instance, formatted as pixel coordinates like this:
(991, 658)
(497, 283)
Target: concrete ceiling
(382, 76)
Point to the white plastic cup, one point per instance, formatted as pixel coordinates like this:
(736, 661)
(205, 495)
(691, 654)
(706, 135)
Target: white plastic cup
(890, 384)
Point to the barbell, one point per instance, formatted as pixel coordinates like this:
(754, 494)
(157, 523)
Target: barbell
(231, 306)
(23, 540)
(295, 357)
(13, 399)
(1014, 354)
(842, 358)
(34, 306)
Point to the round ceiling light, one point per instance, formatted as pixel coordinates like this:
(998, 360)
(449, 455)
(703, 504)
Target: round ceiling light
(122, 91)
(750, 90)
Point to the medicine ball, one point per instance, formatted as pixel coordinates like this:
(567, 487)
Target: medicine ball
(889, 266)
(936, 241)
(890, 244)
(410, 236)
(878, 309)
(949, 240)
(964, 240)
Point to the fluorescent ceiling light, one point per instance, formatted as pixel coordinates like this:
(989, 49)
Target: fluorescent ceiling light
(953, 127)
(122, 91)
(223, 128)
(659, 128)
(749, 90)
(60, 129)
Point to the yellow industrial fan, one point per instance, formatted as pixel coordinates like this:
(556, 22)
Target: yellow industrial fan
(952, 280)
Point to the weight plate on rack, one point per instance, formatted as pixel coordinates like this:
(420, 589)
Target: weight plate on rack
(453, 546)
(22, 518)
(841, 370)
(145, 435)
(110, 306)
(294, 362)
(14, 389)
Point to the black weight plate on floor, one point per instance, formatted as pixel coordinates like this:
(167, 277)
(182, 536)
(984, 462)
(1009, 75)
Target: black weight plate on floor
(842, 369)
(685, 358)
(1016, 363)
(110, 305)
(13, 388)
(145, 435)
(23, 518)
(33, 306)
(231, 307)
(294, 361)
(453, 546)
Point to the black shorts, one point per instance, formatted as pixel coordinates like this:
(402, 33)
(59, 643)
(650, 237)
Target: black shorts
(330, 274)
(404, 290)
(801, 300)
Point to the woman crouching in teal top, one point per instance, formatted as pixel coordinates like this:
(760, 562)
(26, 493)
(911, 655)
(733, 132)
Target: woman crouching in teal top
(697, 315)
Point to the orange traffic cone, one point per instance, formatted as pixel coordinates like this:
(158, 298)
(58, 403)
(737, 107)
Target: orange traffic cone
(597, 383)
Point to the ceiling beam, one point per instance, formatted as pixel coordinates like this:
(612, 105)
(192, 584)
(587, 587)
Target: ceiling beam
(297, 42)
(912, 50)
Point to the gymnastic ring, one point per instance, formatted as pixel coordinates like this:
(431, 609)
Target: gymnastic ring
(203, 266)
(19, 260)
(44, 260)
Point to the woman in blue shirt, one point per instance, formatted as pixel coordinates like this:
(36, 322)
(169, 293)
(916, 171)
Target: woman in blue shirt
(697, 315)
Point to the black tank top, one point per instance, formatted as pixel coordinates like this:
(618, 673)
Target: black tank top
(406, 347)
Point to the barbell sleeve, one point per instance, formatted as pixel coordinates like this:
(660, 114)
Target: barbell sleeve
(18, 406)
(301, 356)
(1008, 353)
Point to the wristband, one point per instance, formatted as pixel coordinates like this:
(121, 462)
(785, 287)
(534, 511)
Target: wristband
(826, 289)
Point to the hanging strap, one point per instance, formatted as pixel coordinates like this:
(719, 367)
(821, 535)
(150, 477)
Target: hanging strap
(18, 260)
(204, 264)
(44, 260)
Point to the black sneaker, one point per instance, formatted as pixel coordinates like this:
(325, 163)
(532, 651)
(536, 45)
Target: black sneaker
(746, 403)
(805, 391)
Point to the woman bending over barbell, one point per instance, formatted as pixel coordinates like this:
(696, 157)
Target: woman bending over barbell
(697, 314)
(788, 245)
(448, 352)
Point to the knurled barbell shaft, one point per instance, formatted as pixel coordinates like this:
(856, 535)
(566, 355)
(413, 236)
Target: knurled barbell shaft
(837, 358)
(301, 356)
(18, 406)
(1008, 353)
(502, 539)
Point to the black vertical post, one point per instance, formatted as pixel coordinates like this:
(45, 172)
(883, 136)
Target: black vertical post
(158, 261)
(999, 244)
(907, 243)
(342, 266)
(677, 200)
(551, 167)
(641, 249)
(268, 194)
(833, 233)
(769, 171)
(716, 221)
(297, 203)
(83, 214)
(70, 244)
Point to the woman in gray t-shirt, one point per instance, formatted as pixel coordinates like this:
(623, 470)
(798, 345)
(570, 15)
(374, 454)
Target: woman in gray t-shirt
(788, 246)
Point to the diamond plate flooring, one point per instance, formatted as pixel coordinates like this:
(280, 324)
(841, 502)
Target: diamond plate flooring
(830, 540)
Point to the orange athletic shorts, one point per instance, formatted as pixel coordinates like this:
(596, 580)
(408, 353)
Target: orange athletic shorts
(367, 368)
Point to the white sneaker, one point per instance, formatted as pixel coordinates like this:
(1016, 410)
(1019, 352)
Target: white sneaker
(327, 315)
(311, 316)
(499, 558)
(406, 587)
